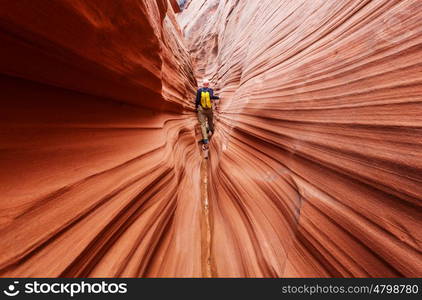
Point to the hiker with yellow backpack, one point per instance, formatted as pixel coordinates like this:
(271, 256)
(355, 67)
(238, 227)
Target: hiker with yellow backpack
(204, 107)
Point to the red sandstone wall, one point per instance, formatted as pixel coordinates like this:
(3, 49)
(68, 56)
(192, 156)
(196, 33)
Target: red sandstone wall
(96, 141)
(316, 165)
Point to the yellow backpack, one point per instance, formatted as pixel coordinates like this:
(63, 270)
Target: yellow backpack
(206, 100)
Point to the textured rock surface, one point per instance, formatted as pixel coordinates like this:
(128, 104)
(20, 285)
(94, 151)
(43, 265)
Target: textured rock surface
(316, 166)
(96, 140)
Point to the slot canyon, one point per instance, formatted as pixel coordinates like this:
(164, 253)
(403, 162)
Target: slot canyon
(314, 169)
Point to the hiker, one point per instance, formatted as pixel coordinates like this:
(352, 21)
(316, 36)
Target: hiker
(203, 105)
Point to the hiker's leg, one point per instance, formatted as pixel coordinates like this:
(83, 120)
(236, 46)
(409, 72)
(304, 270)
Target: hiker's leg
(202, 120)
(210, 117)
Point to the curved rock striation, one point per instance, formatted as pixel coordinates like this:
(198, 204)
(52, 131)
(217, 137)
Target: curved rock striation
(315, 167)
(100, 167)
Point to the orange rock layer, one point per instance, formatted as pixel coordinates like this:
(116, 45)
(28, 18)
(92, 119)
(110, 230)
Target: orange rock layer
(99, 160)
(316, 165)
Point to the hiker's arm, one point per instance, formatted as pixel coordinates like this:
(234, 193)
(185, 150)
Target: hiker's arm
(198, 98)
(214, 96)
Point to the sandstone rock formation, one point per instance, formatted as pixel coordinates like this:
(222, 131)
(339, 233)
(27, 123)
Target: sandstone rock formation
(97, 140)
(315, 168)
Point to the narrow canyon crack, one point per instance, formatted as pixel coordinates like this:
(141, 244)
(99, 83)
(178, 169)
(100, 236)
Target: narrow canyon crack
(206, 224)
(206, 231)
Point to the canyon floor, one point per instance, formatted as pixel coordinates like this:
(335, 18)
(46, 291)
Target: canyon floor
(314, 169)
